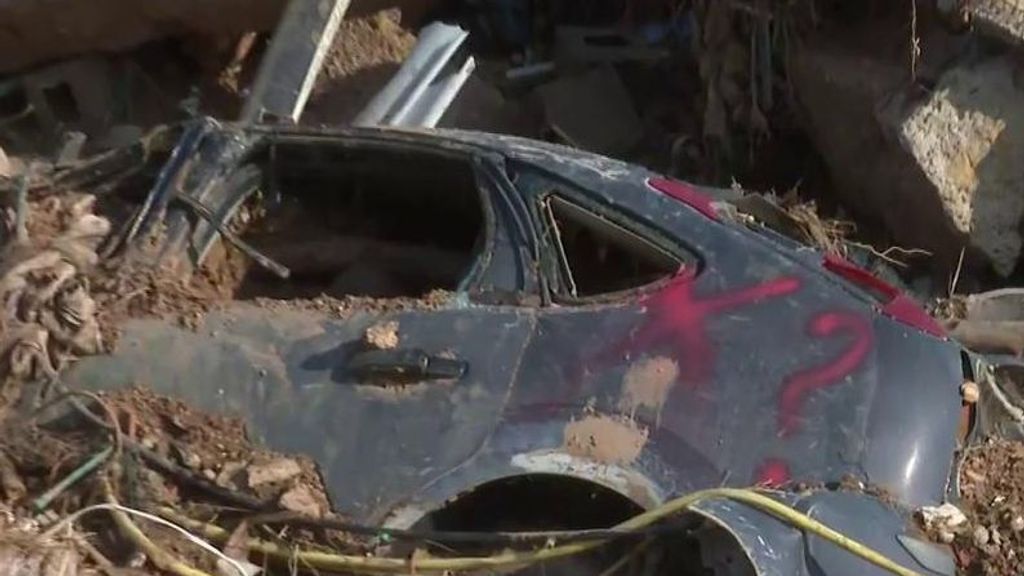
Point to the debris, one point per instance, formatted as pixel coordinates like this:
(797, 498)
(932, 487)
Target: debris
(6, 169)
(1017, 524)
(204, 212)
(1000, 19)
(72, 95)
(425, 85)
(943, 517)
(70, 150)
(383, 336)
(292, 62)
(980, 536)
(969, 392)
(937, 168)
(302, 500)
(43, 502)
(576, 45)
(13, 487)
(572, 103)
(272, 472)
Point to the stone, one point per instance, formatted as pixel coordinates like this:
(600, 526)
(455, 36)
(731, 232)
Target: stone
(945, 516)
(272, 471)
(1000, 19)
(970, 392)
(1017, 524)
(302, 500)
(968, 139)
(938, 168)
(382, 336)
(980, 536)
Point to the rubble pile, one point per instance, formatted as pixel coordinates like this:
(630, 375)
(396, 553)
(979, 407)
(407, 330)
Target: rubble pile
(49, 315)
(991, 541)
(162, 459)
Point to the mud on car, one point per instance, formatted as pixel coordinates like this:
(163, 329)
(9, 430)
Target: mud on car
(473, 332)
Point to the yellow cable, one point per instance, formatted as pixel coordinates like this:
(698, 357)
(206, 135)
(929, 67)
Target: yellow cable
(511, 558)
(160, 557)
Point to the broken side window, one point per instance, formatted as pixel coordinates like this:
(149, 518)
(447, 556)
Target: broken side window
(378, 222)
(598, 256)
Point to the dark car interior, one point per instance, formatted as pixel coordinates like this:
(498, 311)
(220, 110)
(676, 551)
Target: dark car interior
(364, 222)
(598, 256)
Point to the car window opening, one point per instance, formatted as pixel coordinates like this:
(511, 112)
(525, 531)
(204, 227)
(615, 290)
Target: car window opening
(598, 256)
(374, 223)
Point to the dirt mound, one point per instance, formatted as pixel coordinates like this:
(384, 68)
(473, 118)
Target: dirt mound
(992, 483)
(366, 53)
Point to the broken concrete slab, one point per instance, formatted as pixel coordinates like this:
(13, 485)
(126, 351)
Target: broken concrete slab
(967, 137)
(592, 111)
(939, 169)
(999, 19)
(76, 94)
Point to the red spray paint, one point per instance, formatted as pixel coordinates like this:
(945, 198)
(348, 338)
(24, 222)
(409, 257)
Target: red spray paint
(798, 386)
(680, 317)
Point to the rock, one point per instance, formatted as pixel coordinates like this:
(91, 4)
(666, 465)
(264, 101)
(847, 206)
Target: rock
(6, 170)
(383, 336)
(970, 392)
(945, 516)
(302, 500)
(939, 169)
(968, 139)
(980, 536)
(187, 457)
(1000, 19)
(228, 473)
(277, 470)
(1017, 524)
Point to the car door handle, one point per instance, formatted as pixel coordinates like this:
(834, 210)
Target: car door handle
(406, 364)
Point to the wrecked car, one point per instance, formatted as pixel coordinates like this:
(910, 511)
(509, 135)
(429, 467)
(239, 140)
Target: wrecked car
(514, 330)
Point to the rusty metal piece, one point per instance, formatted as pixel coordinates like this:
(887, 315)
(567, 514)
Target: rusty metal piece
(279, 269)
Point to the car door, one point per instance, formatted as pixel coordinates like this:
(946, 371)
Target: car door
(387, 396)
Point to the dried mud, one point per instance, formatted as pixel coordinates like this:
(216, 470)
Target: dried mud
(605, 439)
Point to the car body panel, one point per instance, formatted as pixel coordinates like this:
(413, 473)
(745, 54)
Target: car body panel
(753, 365)
(285, 372)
